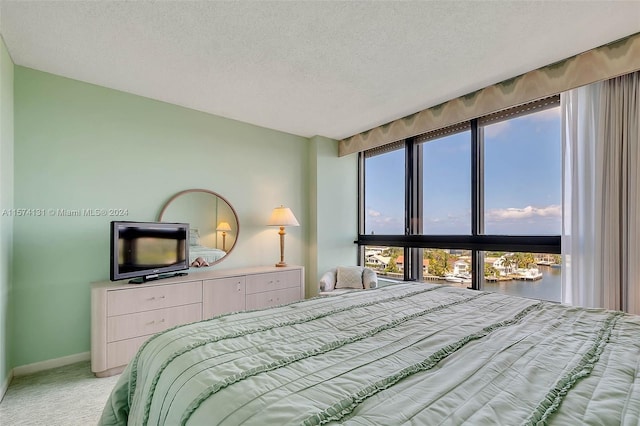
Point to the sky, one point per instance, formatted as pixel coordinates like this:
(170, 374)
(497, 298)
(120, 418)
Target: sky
(523, 181)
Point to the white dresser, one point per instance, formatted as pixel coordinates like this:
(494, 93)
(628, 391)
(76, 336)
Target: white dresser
(124, 315)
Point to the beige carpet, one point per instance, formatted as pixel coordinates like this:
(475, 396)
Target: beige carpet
(68, 396)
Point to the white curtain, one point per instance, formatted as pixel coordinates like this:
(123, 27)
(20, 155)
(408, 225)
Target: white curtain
(601, 172)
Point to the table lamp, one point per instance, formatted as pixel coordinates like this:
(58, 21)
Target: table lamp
(282, 216)
(224, 227)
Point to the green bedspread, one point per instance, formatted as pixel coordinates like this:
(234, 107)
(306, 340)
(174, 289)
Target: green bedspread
(405, 354)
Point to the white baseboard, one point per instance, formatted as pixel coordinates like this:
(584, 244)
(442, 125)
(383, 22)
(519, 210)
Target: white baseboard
(4, 386)
(23, 370)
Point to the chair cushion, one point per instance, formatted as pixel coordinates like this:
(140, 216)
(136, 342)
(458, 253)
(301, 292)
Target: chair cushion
(328, 280)
(349, 277)
(369, 278)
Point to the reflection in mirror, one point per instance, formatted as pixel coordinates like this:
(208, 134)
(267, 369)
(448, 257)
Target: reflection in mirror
(212, 221)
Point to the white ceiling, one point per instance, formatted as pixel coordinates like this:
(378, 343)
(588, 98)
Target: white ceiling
(308, 68)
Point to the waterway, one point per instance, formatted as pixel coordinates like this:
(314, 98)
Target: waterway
(547, 288)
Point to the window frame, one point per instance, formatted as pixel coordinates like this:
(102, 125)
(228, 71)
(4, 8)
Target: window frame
(413, 241)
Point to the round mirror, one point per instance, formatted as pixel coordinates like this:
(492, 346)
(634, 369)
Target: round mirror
(213, 224)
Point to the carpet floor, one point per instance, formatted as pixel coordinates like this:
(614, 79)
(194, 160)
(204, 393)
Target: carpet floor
(69, 396)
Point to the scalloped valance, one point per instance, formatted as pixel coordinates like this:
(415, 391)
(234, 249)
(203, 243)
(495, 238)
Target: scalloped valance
(608, 61)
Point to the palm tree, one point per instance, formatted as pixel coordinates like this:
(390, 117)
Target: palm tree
(524, 260)
(507, 263)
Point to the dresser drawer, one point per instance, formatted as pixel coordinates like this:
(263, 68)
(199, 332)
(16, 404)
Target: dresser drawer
(123, 327)
(124, 316)
(273, 281)
(120, 353)
(273, 298)
(132, 300)
(223, 295)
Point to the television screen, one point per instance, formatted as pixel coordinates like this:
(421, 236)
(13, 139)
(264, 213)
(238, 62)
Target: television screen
(148, 249)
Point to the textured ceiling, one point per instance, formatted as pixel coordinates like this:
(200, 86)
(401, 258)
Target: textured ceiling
(308, 68)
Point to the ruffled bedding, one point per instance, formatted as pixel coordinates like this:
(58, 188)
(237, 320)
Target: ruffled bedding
(405, 354)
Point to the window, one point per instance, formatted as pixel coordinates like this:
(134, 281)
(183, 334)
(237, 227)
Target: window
(448, 266)
(522, 175)
(388, 262)
(384, 195)
(469, 199)
(534, 275)
(446, 182)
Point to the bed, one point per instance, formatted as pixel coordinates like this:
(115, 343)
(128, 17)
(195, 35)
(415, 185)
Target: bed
(418, 354)
(210, 255)
(197, 250)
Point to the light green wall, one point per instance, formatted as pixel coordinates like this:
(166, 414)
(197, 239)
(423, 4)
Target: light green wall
(83, 146)
(6, 203)
(333, 207)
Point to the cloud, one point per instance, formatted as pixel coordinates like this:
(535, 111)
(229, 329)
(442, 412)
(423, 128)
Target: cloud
(546, 115)
(496, 129)
(493, 130)
(381, 223)
(524, 213)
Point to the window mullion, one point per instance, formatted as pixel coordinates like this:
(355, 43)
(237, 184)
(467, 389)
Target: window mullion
(477, 201)
(415, 223)
(413, 205)
(361, 207)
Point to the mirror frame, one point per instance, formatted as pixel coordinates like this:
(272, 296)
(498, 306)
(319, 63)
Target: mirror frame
(207, 191)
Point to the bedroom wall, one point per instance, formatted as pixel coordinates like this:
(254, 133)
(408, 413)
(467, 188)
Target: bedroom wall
(6, 202)
(334, 209)
(80, 146)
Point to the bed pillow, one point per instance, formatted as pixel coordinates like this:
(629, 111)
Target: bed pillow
(349, 277)
(194, 237)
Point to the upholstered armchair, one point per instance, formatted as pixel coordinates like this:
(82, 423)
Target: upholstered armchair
(345, 278)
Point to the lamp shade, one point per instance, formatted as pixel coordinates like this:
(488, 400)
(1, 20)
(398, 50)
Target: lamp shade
(223, 226)
(282, 216)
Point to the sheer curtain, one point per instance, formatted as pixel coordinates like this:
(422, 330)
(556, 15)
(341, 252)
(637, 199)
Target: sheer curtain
(601, 172)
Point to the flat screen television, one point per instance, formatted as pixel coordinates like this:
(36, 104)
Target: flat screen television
(148, 250)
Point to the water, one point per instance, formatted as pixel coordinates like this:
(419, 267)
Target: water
(548, 288)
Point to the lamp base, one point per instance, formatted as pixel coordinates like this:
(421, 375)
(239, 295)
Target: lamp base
(280, 264)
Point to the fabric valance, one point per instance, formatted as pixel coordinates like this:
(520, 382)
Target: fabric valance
(605, 62)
